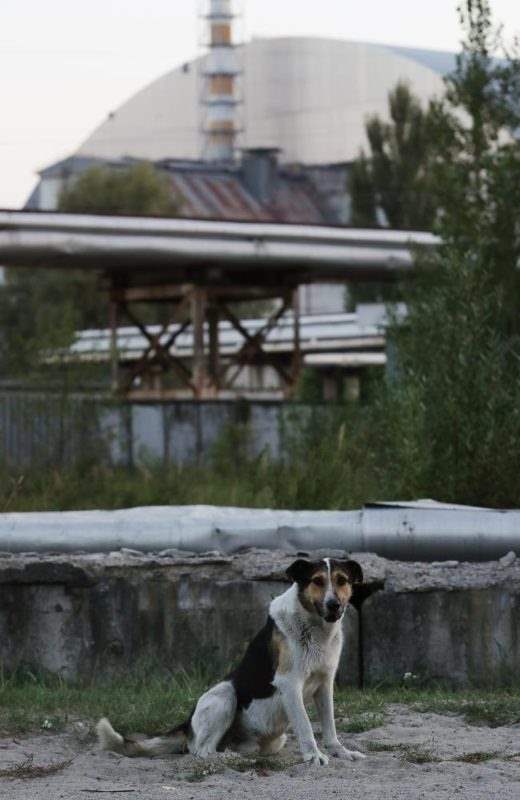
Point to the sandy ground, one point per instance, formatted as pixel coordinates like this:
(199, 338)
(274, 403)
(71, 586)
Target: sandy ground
(384, 775)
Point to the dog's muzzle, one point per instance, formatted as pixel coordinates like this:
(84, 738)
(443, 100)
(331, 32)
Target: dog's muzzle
(333, 610)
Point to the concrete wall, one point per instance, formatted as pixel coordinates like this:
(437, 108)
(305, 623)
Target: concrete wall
(73, 617)
(465, 637)
(55, 430)
(79, 614)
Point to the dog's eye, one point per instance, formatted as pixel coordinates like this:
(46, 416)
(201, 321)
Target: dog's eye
(341, 580)
(317, 581)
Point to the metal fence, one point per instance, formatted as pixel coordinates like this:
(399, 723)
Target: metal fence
(55, 430)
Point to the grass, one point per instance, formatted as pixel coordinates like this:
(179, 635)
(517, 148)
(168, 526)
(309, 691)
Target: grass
(358, 723)
(147, 700)
(321, 470)
(491, 708)
(260, 765)
(416, 754)
(150, 699)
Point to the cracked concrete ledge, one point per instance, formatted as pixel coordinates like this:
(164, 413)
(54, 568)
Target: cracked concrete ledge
(73, 613)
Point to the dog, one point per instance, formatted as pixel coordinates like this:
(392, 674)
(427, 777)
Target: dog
(292, 660)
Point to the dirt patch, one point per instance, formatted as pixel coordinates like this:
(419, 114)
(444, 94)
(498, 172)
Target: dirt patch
(411, 756)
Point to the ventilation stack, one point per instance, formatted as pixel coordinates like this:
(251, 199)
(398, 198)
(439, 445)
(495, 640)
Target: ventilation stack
(221, 71)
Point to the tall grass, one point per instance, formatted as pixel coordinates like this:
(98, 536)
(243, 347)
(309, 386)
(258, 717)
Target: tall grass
(325, 465)
(334, 458)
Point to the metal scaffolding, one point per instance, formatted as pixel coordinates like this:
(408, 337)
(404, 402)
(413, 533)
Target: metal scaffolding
(202, 269)
(200, 308)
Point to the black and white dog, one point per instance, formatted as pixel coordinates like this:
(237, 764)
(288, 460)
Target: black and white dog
(292, 660)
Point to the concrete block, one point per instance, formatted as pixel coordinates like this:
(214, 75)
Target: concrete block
(348, 670)
(264, 429)
(148, 432)
(74, 622)
(461, 637)
(182, 432)
(43, 627)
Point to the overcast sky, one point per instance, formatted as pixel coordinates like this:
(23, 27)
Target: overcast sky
(64, 64)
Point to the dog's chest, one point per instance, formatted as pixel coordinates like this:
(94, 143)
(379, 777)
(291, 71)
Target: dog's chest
(315, 650)
(313, 660)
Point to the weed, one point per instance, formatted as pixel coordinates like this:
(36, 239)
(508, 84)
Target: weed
(418, 755)
(382, 747)
(362, 722)
(260, 764)
(491, 709)
(477, 757)
(199, 772)
(28, 769)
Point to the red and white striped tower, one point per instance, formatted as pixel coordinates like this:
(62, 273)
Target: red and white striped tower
(220, 82)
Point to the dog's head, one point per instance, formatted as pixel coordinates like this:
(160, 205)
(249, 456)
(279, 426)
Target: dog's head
(325, 587)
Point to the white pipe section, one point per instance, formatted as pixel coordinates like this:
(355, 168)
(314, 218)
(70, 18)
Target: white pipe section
(97, 242)
(420, 532)
(53, 220)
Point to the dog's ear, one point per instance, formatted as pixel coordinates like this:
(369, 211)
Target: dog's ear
(352, 570)
(299, 571)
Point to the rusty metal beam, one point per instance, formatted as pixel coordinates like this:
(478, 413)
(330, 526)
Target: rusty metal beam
(198, 314)
(214, 351)
(113, 312)
(297, 354)
(200, 307)
(252, 349)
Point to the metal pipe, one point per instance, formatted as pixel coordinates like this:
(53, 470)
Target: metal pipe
(19, 221)
(104, 243)
(414, 532)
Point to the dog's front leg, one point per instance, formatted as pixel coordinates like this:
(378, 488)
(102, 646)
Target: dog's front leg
(325, 706)
(291, 693)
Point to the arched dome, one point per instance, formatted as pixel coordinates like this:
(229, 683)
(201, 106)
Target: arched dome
(307, 96)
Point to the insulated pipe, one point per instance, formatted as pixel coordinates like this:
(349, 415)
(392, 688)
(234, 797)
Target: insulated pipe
(105, 243)
(409, 533)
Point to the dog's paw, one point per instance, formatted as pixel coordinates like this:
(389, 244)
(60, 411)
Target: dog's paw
(316, 759)
(338, 751)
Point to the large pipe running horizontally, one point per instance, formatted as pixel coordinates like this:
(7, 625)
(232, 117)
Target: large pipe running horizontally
(105, 243)
(409, 533)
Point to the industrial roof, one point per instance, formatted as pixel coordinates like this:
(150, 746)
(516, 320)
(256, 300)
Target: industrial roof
(209, 191)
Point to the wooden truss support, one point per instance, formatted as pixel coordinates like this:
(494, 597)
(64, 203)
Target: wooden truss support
(198, 308)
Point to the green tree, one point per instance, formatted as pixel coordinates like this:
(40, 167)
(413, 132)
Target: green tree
(453, 411)
(394, 180)
(138, 189)
(395, 176)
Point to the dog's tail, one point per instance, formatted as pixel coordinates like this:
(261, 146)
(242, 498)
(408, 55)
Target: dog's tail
(175, 741)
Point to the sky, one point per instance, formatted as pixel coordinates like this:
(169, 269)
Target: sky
(65, 64)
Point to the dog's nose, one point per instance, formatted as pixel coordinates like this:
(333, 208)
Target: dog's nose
(333, 604)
